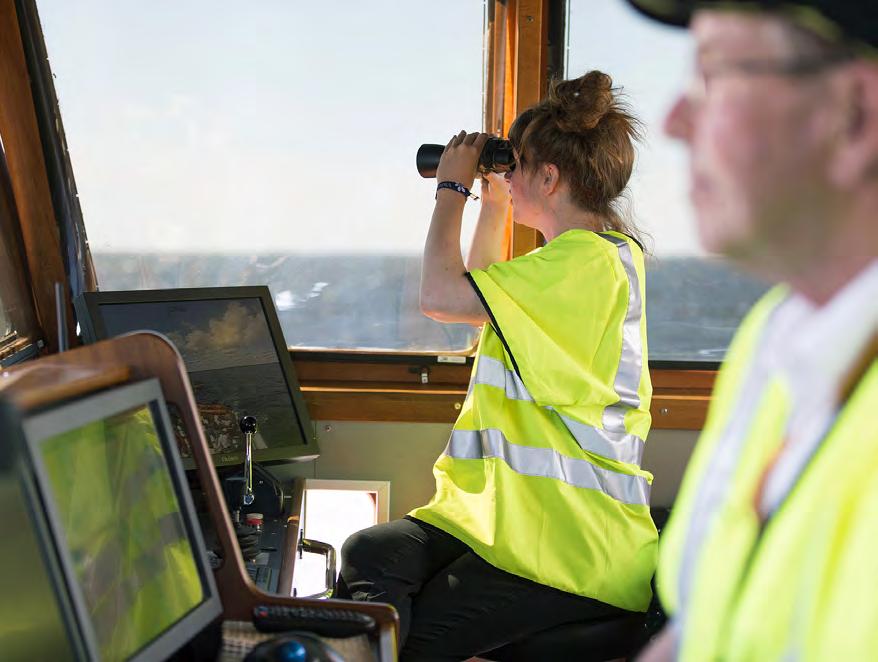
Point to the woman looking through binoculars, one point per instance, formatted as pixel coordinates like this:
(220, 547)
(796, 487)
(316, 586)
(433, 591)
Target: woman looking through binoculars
(541, 512)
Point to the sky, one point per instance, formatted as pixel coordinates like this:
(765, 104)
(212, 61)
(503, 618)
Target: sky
(652, 64)
(284, 126)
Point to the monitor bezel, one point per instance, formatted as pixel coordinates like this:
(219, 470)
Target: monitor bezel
(87, 306)
(15, 459)
(45, 424)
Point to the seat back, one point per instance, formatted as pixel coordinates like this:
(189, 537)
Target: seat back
(620, 636)
(592, 641)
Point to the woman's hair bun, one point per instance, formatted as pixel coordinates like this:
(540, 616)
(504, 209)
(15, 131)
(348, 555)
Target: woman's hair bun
(585, 129)
(580, 104)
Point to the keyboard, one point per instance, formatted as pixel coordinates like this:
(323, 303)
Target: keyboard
(260, 574)
(319, 620)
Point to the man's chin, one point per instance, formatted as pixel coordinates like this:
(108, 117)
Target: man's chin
(743, 252)
(714, 236)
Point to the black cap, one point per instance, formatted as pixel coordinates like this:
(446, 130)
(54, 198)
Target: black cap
(854, 22)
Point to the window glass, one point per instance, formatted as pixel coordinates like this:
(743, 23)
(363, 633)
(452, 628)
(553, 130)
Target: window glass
(7, 328)
(230, 143)
(5, 322)
(694, 302)
(18, 325)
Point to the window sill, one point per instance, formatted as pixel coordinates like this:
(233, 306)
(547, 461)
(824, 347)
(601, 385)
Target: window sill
(359, 387)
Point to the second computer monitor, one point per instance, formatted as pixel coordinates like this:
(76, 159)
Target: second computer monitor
(236, 357)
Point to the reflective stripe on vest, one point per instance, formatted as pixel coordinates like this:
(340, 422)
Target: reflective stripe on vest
(614, 445)
(547, 463)
(631, 359)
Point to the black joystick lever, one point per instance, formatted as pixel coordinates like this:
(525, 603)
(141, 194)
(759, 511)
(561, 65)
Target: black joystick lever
(248, 427)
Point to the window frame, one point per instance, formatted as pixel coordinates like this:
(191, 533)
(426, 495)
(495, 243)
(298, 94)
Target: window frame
(349, 386)
(34, 232)
(524, 43)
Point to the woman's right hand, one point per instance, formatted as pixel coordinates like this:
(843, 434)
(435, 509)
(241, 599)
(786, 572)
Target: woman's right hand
(461, 158)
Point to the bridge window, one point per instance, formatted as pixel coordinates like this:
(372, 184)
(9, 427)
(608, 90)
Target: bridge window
(229, 143)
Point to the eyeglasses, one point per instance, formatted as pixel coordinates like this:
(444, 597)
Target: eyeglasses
(703, 77)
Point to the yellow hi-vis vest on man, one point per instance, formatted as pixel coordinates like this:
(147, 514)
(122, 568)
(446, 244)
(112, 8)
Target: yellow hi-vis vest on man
(541, 476)
(802, 586)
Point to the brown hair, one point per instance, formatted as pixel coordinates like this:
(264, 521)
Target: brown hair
(588, 132)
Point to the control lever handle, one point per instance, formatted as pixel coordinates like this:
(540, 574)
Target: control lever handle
(248, 427)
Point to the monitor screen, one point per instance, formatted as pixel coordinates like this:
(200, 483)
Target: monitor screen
(237, 360)
(123, 523)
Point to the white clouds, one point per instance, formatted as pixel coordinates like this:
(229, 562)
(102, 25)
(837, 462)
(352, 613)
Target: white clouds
(238, 337)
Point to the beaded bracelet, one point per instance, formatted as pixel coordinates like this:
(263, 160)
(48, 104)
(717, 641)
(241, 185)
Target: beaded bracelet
(456, 186)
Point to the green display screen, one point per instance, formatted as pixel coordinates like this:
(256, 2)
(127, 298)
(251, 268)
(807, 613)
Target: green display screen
(121, 524)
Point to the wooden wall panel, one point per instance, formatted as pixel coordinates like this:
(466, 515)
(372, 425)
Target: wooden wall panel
(340, 403)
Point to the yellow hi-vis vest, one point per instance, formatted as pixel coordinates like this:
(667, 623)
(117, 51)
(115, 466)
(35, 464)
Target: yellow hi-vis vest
(541, 476)
(803, 586)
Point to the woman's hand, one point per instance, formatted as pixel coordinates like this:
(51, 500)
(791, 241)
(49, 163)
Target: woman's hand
(489, 243)
(461, 158)
(494, 192)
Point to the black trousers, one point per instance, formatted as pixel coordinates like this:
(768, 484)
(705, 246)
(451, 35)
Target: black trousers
(452, 604)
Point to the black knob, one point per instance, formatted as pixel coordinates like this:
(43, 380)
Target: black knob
(248, 425)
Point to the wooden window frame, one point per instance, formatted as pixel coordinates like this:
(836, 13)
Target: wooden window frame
(524, 41)
(42, 259)
(392, 387)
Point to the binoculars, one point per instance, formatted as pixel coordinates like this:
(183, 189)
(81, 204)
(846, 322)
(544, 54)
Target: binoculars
(497, 156)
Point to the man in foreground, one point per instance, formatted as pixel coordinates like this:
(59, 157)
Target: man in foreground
(770, 553)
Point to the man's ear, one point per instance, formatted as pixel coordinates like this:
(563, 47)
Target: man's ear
(855, 159)
(550, 178)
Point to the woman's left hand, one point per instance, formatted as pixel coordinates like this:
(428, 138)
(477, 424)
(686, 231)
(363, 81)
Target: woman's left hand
(494, 191)
(461, 158)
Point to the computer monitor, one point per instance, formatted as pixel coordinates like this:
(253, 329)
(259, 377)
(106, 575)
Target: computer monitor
(121, 523)
(238, 363)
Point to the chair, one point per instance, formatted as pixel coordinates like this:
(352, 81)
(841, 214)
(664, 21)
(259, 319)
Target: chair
(620, 636)
(594, 641)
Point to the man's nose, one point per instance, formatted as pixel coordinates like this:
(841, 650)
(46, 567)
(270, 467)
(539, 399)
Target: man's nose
(678, 121)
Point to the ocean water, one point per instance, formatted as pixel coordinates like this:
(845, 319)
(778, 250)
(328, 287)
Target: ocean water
(694, 305)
